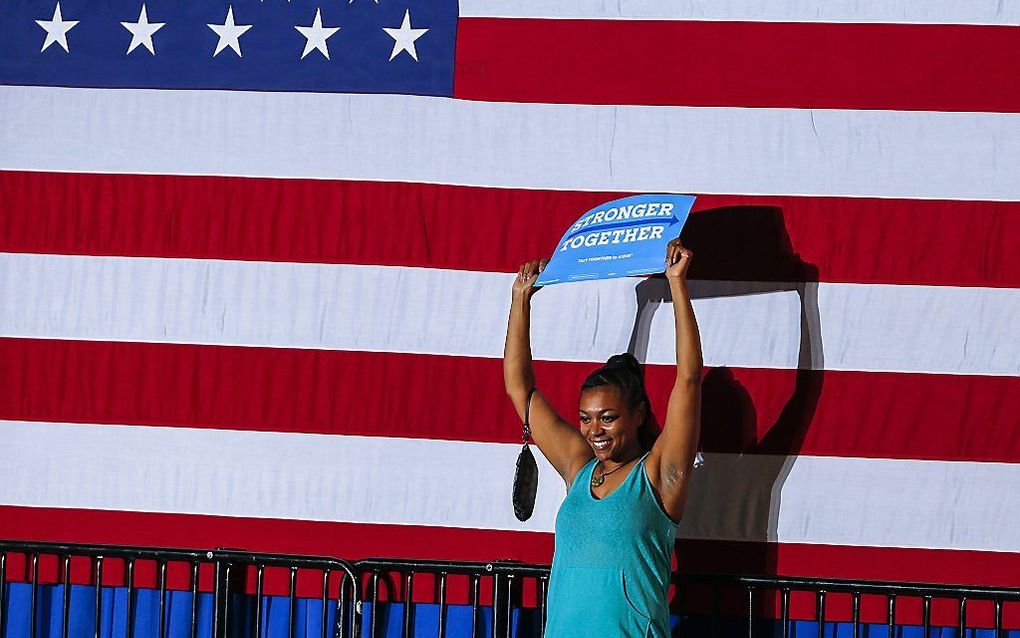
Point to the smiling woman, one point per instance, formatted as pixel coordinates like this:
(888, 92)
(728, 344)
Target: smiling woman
(626, 487)
(620, 380)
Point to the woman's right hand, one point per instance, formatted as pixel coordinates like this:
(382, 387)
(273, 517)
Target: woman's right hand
(527, 274)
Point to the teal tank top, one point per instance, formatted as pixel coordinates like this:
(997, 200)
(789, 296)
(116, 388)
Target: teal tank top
(611, 561)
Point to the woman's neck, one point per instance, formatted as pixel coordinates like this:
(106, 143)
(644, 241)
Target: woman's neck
(623, 458)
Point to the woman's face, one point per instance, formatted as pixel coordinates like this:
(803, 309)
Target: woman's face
(608, 424)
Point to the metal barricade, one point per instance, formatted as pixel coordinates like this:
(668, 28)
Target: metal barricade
(822, 588)
(503, 578)
(344, 587)
(507, 578)
(344, 599)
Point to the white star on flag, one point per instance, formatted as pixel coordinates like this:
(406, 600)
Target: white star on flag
(229, 33)
(141, 31)
(316, 36)
(404, 37)
(56, 29)
(352, 1)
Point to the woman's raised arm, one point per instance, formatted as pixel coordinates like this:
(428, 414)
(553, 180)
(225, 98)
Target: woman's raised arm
(673, 454)
(560, 442)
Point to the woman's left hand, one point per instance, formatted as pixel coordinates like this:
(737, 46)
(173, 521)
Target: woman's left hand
(678, 259)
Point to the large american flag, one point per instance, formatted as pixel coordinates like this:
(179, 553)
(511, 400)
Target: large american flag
(254, 280)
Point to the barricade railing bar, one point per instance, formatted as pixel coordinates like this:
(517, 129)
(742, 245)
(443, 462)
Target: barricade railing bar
(353, 591)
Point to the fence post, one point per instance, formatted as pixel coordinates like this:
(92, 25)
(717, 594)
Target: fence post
(221, 595)
(502, 603)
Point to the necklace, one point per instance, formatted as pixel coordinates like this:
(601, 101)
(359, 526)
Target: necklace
(597, 481)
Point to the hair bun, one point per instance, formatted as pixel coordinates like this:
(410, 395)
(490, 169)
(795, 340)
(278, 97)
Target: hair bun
(624, 361)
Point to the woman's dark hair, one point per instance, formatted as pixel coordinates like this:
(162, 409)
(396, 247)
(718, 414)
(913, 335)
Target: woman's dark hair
(623, 371)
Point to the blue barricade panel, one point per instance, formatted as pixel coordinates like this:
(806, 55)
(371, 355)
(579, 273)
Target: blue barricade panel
(389, 618)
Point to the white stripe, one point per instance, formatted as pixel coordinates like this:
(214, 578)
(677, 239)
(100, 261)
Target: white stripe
(874, 327)
(541, 146)
(845, 501)
(997, 12)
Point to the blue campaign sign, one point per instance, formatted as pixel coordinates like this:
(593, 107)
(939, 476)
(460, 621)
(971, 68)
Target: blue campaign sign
(621, 238)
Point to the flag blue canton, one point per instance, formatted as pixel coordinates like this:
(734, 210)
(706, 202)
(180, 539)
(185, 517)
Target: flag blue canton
(326, 46)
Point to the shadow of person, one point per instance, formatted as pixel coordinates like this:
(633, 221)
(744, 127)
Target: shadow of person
(736, 497)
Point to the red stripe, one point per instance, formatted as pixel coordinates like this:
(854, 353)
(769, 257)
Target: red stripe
(355, 541)
(459, 398)
(739, 64)
(750, 238)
